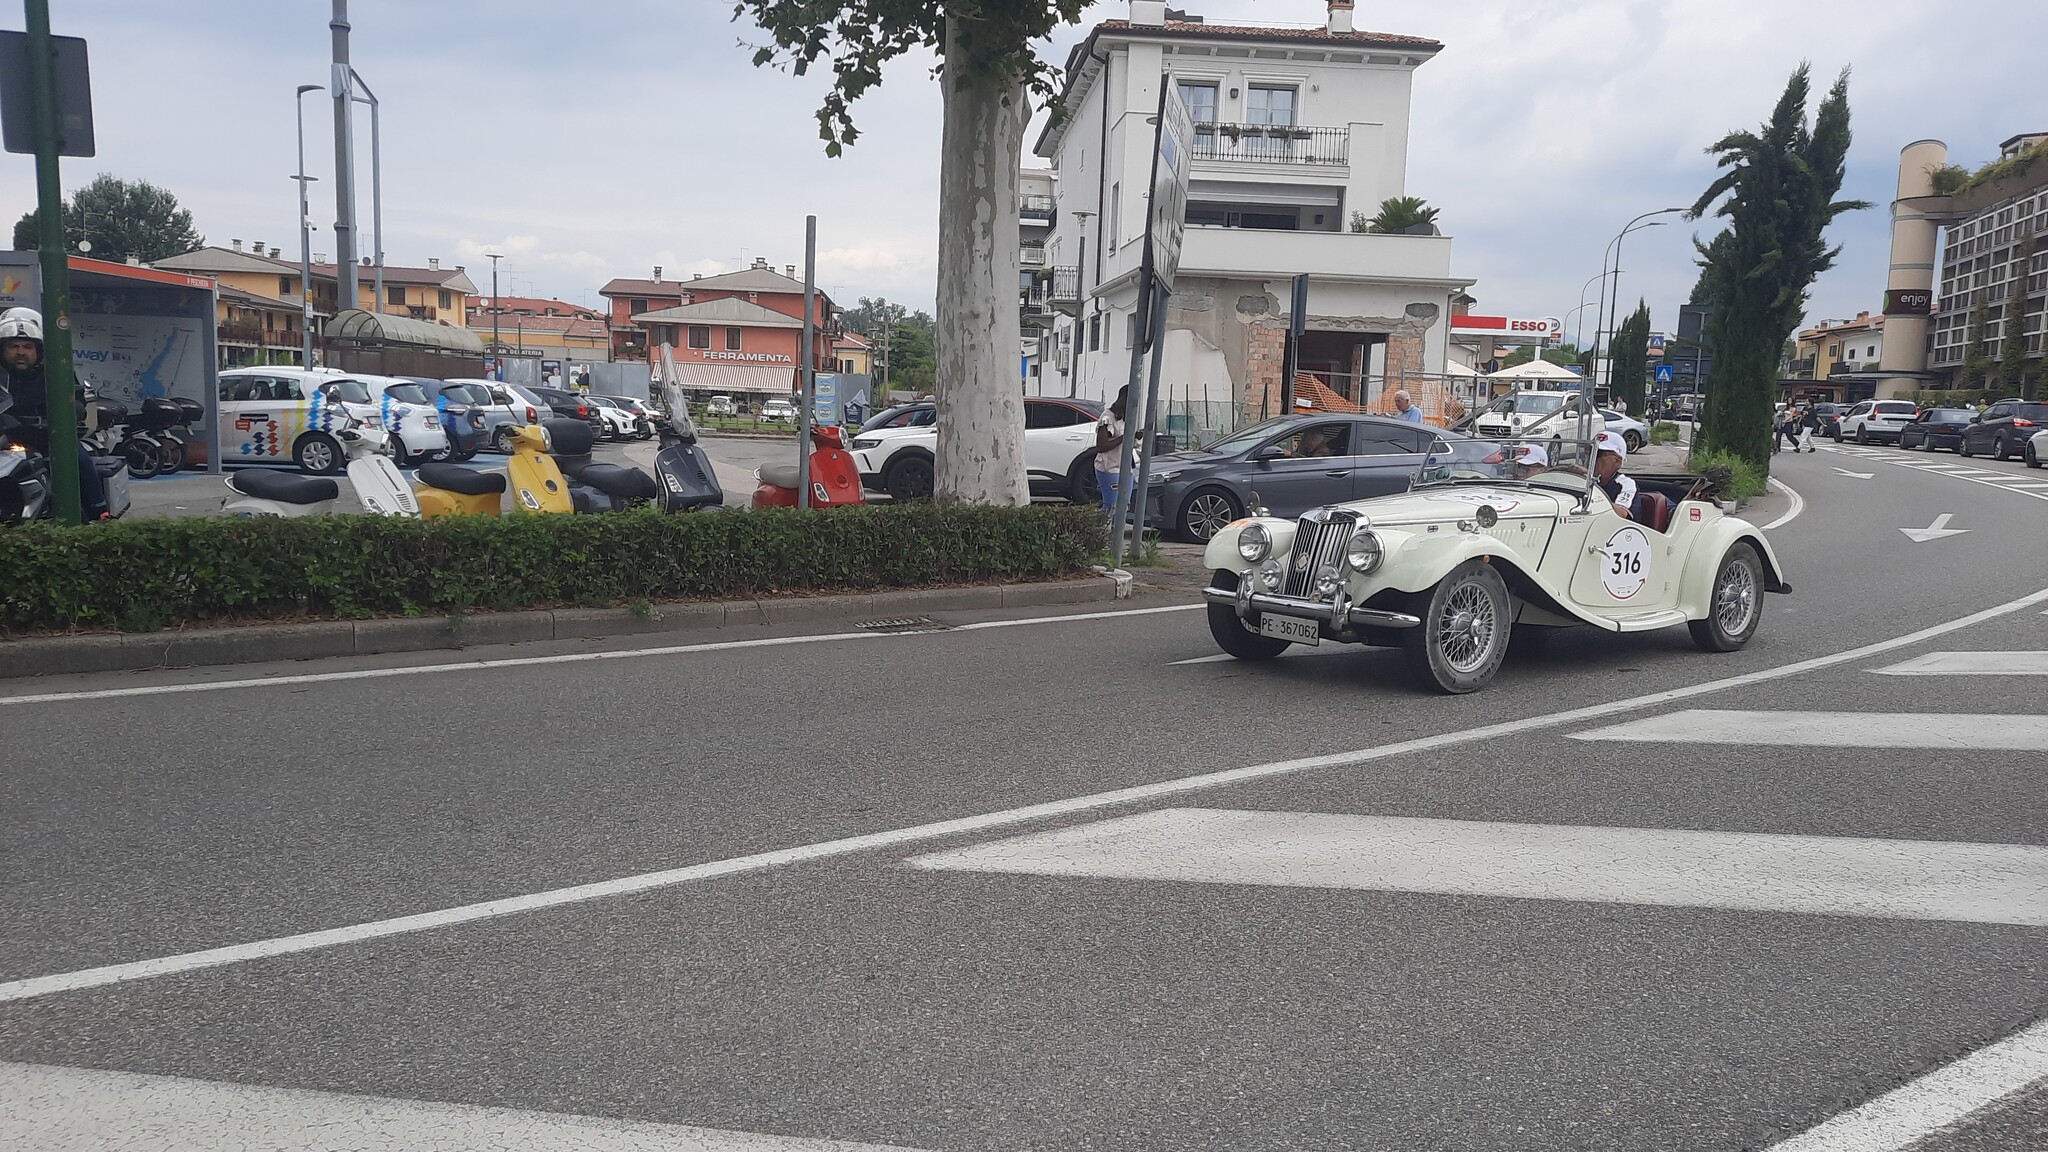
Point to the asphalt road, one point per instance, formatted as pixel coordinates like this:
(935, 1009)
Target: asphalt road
(1063, 882)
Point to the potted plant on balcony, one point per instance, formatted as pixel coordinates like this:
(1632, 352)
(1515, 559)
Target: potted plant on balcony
(1234, 131)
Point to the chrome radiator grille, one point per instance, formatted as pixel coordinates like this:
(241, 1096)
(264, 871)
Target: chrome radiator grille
(1320, 538)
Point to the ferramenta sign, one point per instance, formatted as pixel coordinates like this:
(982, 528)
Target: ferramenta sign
(753, 357)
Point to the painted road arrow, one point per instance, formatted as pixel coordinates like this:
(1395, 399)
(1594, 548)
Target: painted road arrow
(1863, 476)
(1934, 531)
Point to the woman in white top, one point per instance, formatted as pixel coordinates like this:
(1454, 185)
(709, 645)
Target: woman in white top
(1109, 450)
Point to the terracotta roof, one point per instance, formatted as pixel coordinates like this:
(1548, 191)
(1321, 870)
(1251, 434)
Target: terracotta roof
(397, 274)
(510, 324)
(628, 287)
(1278, 35)
(533, 306)
(744, 280)
(217, 259)
(246, 299)
(723, 311)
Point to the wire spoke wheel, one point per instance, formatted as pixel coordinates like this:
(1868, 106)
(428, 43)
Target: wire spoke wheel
(1465, 627)
(1735, 599)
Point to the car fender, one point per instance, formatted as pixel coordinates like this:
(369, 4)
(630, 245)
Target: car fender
(1221, 552)
(1417, 561)
(1696, 588)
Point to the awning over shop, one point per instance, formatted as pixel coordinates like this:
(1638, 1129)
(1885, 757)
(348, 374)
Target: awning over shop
(402, 331)
(759, 379)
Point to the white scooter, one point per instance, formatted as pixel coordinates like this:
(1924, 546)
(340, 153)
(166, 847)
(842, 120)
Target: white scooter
(380, 486)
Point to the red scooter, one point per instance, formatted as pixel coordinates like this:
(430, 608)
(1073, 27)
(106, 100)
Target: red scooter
(835, 478)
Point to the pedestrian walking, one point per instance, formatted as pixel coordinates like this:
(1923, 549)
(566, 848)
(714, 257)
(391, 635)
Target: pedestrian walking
(1809, 423)
(1109, 450)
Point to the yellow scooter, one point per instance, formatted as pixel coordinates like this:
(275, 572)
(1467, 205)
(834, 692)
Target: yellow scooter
(536, 482)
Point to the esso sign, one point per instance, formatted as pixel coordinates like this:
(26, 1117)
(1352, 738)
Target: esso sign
(1532, 327)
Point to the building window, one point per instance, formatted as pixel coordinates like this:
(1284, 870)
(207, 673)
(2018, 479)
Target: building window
(1269, 106)
(732, 339)
(846, 366)
(447, 299)
(1201, 102)
(1095, 332)
(636, 307)
(284, 287)
(1834, 351)
(1116, 216)
(700, 336)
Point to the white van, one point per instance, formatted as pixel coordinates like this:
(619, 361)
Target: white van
(271, 415)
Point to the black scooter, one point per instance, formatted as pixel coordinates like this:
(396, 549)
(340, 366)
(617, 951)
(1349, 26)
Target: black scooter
(688, 482)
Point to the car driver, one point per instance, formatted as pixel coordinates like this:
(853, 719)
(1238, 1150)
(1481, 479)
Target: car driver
(1613, 450)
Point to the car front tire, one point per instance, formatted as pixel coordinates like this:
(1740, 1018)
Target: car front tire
(2001, 449)
(1234, 637)
(1736, 605)
(318, 453)
(908, 478)
(1466, 622)
(2032, 457)
(1634, 440)
(1204, 513)
(1081, 486)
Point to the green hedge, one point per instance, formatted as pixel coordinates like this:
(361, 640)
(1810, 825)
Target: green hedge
(1663, 432)
(1733, 477)
(143, 575)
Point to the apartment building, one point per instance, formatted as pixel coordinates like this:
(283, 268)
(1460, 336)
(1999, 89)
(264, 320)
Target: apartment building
(1297, 131)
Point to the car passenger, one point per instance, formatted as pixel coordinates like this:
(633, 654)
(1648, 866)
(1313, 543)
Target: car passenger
(1529, 460)
(1314, 442)
(1613, 450)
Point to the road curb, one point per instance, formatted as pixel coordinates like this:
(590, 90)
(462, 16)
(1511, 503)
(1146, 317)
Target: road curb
(261, 643)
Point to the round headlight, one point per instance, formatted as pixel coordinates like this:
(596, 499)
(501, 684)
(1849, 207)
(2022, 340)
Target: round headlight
(1327, 582)
(1365, 552)
(1254, 543)
(1271, 575)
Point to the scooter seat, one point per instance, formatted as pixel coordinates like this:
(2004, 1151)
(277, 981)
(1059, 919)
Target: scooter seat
(455, 478)
(781, 475)
(569, 437)
(617, 482)
(107, 466)
(284, 487)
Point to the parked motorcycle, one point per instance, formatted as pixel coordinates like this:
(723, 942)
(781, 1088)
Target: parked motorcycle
(682, 470)
(380, 487)
(537, 483)
(835, 478)
(452, 490)
(25, 489)
(167, 421)
(593, 486)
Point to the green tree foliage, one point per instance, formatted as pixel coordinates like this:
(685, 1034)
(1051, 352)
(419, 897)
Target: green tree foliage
(1976, 364)
(1631, 359)
(120, 218)
(901, 338)
(1777, 192)
(1568, 356)
(1396, 214)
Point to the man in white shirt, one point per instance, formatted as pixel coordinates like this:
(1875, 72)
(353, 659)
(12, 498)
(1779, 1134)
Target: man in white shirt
(1612, 451)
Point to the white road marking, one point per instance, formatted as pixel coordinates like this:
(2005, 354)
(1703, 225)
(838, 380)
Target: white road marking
(34, 986)
(1798, 505)
(1971, 664)
(50, 1107)
(563, 658)
(1989, 479)
(1944, 730)
(1856, 475)
(1934, 531)
(1919, 1108)
(1679, 868)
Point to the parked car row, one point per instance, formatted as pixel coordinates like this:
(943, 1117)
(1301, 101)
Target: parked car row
(2005, 430)
(279, 414)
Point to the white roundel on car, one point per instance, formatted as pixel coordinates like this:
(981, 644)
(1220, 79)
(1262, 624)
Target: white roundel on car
(1626, 567)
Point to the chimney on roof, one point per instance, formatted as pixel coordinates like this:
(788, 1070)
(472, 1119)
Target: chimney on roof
(274, 252)
(790, 270)
(1340, 16)
(1863, 315)
(1148, 13)
(319, 257)
(657, 273)
(256, 246)
(434, 262)
(760, 261)
(237, 244)
(696, 275)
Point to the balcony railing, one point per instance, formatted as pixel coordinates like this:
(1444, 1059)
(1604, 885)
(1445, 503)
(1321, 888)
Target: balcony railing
(1272, 144)
(1031, 256)
(250, 334)
(1038, 208)
(1050, 290)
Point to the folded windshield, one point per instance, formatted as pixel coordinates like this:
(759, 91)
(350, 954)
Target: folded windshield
(1548, 461)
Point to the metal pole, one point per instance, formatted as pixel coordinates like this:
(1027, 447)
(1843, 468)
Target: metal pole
(497, 347)
(305, 238)
(348, 285)
(376, 189)
(1129, 463)
(57, 370)
(1614, 298)
(1136, 498)
(806, 363)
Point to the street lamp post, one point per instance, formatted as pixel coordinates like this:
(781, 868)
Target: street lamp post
(1614, 298)
(305, 238)
(1080, 270)
(497, 348)
(1579, 333)
(376, 187)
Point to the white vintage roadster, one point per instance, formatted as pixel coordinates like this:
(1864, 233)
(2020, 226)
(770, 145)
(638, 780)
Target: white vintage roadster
(1480, 549)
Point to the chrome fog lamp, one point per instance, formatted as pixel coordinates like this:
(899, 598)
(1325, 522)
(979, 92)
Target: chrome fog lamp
(1254, 543)
(1328, 581)
(1272, 575)
(1365, 552)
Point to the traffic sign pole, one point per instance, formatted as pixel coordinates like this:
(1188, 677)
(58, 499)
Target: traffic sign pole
(57, 372)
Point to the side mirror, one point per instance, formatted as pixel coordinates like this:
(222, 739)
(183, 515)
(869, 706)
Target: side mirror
(1270, 452)
(1977, 419)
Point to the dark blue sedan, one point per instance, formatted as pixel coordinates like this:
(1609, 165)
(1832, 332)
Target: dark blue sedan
(1937, 428)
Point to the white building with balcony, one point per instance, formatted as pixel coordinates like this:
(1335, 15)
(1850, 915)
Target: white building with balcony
(1298, 132)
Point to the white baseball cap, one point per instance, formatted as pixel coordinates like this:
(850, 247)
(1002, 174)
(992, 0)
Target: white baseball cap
(1612, 442)
(1532, 455)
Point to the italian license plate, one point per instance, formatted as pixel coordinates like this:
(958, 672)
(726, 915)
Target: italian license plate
(1290, 628)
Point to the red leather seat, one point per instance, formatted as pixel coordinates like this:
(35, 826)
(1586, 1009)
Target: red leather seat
(1653, 510)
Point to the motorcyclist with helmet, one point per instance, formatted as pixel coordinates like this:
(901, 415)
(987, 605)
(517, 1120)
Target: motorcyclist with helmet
(28, 419)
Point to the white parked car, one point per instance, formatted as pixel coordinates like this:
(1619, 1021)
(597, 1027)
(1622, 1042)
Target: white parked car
(1532, 412)
(1877, 420)
(2036, 451)
(721, 406)
(505, 406)
(1059, 453)
(779, 408)
(1632, 430)
(620, 422)
(271, 415)
(1449, 571)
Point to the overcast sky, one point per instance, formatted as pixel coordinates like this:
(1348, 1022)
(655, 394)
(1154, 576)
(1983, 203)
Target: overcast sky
(599, 139)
